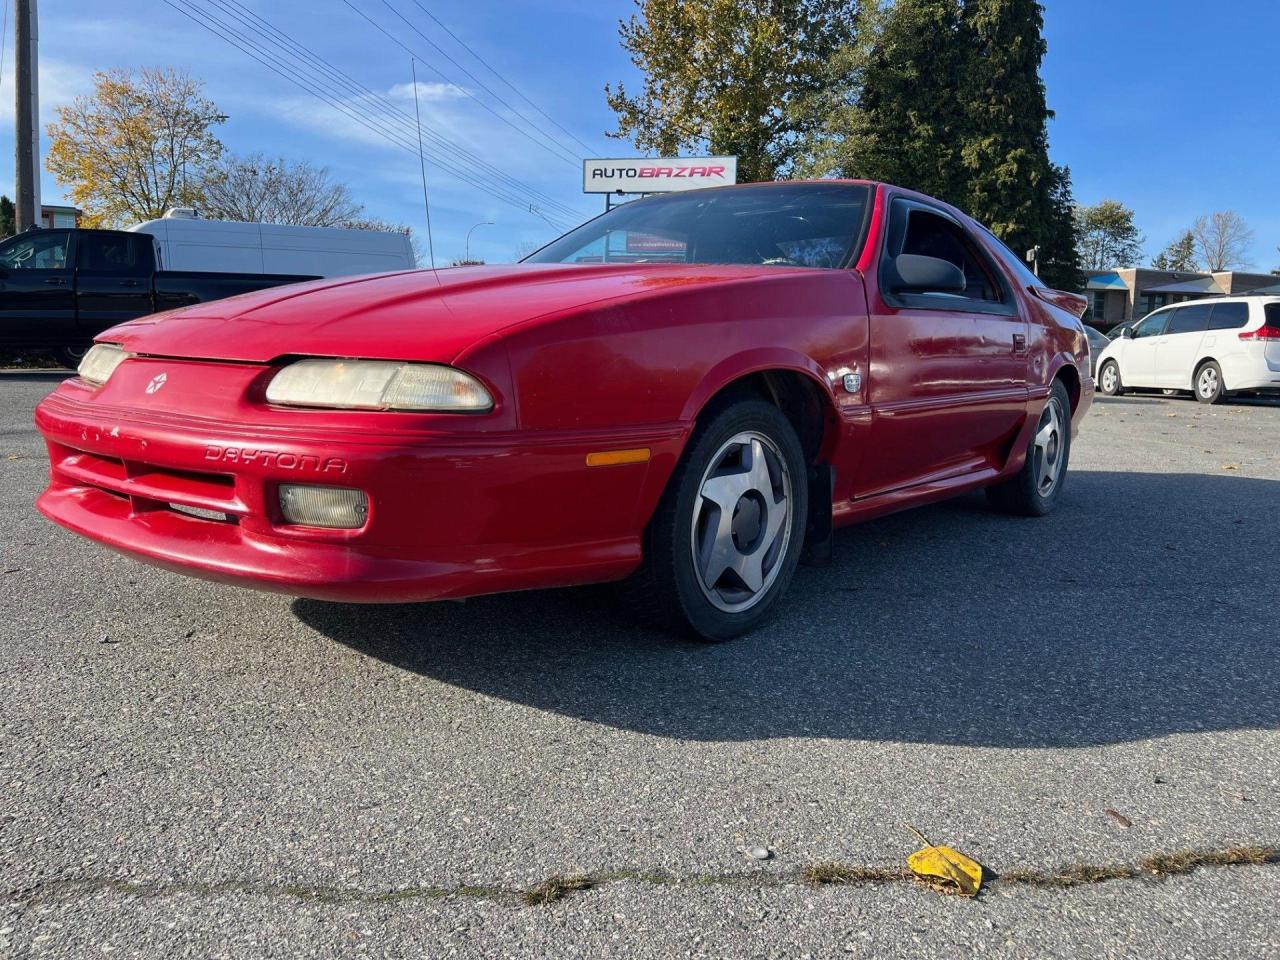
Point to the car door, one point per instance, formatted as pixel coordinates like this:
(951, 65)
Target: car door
(37, 304)
(1179, 345)
(1138, 358)
(948, 371)
(113, 278)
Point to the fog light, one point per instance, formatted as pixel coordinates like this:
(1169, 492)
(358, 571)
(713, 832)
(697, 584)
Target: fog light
(338, 507)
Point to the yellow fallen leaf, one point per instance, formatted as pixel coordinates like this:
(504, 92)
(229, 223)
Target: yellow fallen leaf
(944, 869)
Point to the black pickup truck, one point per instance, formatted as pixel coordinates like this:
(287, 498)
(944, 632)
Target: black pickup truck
(60, 288)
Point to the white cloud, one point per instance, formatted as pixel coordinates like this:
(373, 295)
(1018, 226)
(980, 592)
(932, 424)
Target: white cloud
(427, 92)
(59, 83)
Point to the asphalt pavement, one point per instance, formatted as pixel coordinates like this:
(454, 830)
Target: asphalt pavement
(189, 769)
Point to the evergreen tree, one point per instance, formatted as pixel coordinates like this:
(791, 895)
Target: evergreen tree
(1179, 255)
(1006, 150)
(1060, 248)
(889, 111)
(945, 96)
(8, 218)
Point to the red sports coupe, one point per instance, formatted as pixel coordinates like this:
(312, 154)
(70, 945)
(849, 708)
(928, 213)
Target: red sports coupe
(687, 391)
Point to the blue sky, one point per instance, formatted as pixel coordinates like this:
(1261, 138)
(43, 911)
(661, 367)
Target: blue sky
(1160, 104)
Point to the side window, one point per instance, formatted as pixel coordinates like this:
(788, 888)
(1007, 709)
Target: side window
(114, 253)
(1229, 316)
(1017, 265)
(930, 235)
(37, 252)
(1192, 319)
(1152, 326)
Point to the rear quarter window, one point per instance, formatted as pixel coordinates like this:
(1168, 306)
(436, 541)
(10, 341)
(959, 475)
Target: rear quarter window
(1228, 316)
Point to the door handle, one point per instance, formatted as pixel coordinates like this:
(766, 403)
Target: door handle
(1019, 342)
(56, 281)
(130, 283)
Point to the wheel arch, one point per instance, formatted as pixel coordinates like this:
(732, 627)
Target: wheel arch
(791, 382)
(1070, 376)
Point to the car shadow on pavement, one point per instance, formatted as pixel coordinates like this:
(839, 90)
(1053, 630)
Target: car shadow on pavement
(1141, 607)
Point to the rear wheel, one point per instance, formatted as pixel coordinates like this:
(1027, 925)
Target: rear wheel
(725, 540)
(1109, 379)
(1034, 490)
(1209, 385)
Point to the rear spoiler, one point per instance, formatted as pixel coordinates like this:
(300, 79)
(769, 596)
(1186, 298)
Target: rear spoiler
(1073, 303)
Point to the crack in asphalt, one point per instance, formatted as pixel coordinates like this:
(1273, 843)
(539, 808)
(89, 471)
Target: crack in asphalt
(1155, 868)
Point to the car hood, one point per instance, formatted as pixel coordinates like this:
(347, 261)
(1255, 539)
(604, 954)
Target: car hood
(422, 315)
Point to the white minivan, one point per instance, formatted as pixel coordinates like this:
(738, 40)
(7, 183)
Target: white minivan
(1210, 347)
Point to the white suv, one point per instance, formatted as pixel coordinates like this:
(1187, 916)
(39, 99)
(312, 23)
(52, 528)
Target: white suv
(1210, 347)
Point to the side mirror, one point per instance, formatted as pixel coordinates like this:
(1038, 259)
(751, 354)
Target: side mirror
(911, 273)
(1126, 333)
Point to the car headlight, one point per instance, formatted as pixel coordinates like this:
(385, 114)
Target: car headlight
(100, 362)
(377, 385)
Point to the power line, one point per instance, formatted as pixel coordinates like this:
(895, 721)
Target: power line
(329, 74)
(553, 148)
(458, 40)
(375, 124)
(476, 80)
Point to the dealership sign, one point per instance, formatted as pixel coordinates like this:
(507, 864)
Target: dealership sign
(657, 176)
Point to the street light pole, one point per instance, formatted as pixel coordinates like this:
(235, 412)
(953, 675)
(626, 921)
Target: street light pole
(466, 255)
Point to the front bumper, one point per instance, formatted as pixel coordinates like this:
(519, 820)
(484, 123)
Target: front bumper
(449, 516)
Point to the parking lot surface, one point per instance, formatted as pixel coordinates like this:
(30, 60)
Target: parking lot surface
(194, 769)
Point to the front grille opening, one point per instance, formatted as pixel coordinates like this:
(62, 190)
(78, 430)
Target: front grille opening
(217, 482)
(200, 513)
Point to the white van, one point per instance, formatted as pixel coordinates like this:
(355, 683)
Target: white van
(185, 242)
(1211, 347)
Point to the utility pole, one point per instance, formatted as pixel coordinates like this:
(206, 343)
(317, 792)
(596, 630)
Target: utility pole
(27, 115)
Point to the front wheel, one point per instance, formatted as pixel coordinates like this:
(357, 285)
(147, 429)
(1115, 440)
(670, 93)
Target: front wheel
(725, 540)
(1109, 379)
(1033, 490)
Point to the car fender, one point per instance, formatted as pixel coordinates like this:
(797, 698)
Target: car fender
(747, 362)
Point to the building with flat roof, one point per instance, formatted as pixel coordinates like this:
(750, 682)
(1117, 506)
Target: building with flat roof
(55, 215)
(1130, 294)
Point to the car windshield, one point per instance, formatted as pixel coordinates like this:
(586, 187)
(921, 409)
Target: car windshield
(793, 225)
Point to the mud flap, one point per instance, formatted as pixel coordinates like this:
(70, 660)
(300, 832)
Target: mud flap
(819, 539)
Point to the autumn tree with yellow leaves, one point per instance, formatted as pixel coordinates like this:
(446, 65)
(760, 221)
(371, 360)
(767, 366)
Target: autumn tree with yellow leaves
(140, 144)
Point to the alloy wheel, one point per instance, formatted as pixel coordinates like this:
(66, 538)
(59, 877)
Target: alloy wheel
(741, 521)
(1207, 382)
(1109, 378)
(1048, 447)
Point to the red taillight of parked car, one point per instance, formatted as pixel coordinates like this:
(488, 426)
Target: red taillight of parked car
(1262, 333)
(1270, 329)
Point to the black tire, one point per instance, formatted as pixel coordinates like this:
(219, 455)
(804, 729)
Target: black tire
(1026, 494)
(669, 589)
(70, 357)
(1107, 383)
(1209, 387)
